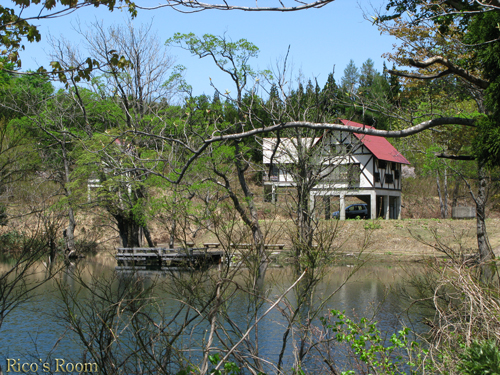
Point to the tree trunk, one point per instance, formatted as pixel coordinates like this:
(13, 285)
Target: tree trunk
(304, 219)
(147, 234)
(304, 187)
(456, 189)
(69, 232)
(441, 205)
(326, 203)
(69, 235)
(258, 237)
(128, 230)
(172, 234)
(445, 193)
(488, 269)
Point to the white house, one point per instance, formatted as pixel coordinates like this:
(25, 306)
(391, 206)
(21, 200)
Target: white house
(364, 166)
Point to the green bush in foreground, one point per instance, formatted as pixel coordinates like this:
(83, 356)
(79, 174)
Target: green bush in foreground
(480, 358)
(397, 355)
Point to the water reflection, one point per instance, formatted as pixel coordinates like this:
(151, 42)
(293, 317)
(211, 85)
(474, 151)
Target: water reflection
(33, 331)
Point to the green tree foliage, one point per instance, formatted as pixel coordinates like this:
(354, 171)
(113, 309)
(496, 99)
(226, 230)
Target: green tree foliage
(372, 84)
(483, 33)
(20, 98)
(480, 358)
(366, 95)
(23, 94)
(243, 110)
(367, 75)
(378, 355)
(330, 97)
(394, 87)
(475, 58)
(230, 57)
(17, 28)
(448, 39)
(350, 80)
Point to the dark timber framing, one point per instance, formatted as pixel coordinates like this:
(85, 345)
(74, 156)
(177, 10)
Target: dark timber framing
(378, 183)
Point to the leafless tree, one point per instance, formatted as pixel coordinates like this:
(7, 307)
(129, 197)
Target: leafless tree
(139, 87)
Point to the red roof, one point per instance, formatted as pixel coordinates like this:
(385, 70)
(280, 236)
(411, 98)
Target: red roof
(379, 146)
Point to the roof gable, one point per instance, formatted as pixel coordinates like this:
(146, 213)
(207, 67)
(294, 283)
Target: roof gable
(378, 146)
(286, 152)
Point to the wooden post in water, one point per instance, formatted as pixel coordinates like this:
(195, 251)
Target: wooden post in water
(159, 251)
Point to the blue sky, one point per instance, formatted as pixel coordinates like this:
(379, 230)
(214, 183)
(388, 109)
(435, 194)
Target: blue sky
(319, 39)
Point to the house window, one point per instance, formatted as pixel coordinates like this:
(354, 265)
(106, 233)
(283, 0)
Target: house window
(275, 173)
(389, 178)
(347, 173)
(382, 164)
(377, 176)
(396, 175)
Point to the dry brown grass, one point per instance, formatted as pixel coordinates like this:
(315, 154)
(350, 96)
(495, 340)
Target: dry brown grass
(393, 239)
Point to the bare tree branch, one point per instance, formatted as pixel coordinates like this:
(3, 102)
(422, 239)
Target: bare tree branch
(189, 6)
(455, 69)
(311, 125)
(444, 155)
(400, 73)
(258, 320)
(351, 129)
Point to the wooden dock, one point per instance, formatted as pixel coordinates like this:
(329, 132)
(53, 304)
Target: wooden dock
(245, 246)
(184, 257)
(160, 258)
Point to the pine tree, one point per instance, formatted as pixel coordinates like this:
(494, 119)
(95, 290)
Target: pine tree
(274, 93)
(216, 99)
(350, 80)
(367, 75)
(329, 98)
(394, 88)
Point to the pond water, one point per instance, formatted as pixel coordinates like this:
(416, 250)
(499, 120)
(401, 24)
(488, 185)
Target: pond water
(35, 332)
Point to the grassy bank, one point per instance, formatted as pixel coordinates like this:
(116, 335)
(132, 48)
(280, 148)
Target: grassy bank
(408, 239)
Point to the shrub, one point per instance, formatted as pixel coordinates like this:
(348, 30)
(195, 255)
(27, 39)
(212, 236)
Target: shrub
(11, 243)
(480, 358)
(86, 247)
(394, 355)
